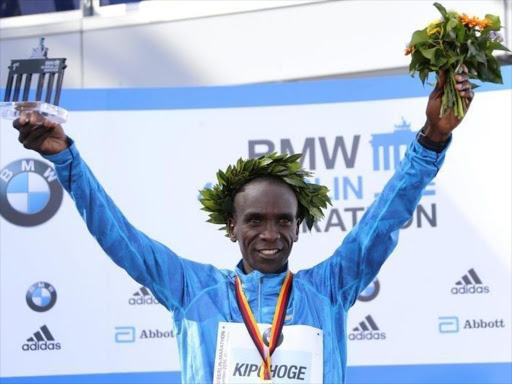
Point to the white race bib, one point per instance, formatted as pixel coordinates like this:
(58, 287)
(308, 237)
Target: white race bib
(297, 359)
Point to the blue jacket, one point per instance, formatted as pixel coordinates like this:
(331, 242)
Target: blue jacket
(200, 296)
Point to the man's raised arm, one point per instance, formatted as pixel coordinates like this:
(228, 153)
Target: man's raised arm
(147, 261)
(357, 261)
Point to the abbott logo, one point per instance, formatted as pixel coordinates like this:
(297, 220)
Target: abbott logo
(470, 283)
(125, 334)
(448, 324)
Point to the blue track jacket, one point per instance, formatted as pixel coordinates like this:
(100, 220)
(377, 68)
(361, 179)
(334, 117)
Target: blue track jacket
(200, 295)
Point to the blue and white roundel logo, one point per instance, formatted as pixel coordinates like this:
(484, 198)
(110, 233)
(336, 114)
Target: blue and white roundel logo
(29, 192)
(370, 292)
(41, 296)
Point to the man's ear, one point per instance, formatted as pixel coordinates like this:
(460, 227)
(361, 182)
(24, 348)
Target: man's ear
(296, 238)
(231, 229)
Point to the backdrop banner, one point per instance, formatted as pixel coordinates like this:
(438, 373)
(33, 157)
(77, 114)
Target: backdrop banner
(439, 310)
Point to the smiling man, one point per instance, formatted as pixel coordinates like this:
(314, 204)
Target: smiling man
(260, 322)
(265, 223)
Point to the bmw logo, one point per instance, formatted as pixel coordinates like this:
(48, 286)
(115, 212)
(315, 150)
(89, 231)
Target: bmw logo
(41, 296)
(30, 193)
(266, 336)
(371, 291)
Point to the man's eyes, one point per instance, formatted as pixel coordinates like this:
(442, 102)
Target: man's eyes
(253, 219)
(281, 221)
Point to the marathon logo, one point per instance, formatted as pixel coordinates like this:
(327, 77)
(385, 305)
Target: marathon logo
(282, 371)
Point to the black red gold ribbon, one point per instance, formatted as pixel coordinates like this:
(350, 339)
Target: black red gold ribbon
(277, 323)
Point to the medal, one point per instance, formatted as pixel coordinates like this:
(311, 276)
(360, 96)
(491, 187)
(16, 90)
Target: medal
(275, 330)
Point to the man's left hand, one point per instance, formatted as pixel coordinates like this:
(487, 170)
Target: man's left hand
(437, 128)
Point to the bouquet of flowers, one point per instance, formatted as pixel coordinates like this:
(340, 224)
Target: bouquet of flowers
(454, 41)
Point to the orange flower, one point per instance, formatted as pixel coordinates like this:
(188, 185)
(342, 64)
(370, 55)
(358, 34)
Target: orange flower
(409, 50)
(484, 23)
(470, 21)
(475, 21)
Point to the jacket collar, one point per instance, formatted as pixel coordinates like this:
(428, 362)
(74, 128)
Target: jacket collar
(270, 283)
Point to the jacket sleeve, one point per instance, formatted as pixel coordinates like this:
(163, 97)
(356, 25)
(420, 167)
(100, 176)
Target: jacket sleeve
(172, 280)
(344, 275)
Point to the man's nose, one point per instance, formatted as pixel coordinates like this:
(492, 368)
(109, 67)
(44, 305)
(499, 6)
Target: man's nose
(270, 232)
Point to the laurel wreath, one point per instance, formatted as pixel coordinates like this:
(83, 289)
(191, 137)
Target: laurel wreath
(218, 201)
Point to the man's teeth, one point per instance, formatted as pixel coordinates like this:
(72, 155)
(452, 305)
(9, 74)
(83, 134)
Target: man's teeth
(269, 251)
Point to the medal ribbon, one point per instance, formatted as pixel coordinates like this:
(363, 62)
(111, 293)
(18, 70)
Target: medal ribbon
(277, 323)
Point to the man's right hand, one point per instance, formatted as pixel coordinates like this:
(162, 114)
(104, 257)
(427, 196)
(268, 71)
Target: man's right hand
(40, 134)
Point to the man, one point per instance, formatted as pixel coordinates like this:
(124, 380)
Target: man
(262, 211)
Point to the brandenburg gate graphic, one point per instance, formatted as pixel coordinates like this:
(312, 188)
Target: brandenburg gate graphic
(390, 144)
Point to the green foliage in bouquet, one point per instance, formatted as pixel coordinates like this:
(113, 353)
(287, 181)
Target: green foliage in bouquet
(455, 40)
(312, 198)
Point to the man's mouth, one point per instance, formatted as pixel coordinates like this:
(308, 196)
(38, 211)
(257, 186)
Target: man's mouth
(269, 252)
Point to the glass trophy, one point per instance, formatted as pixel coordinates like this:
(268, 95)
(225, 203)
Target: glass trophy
(49, 82)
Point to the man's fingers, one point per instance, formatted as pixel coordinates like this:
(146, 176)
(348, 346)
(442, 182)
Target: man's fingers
(34, 118)
(462, 86)
(24, 130)
(462, 77)
(38, 135)
(49, 124)
(23, 120)
(27, 132)
(17, 124)
(467, 94)
(36, 143)
(440, 81)
(28, 123)
(37, 132)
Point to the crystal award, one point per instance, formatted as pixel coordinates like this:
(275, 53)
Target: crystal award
(19, 98)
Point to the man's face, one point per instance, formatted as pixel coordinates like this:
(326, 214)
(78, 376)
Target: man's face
(265, 225)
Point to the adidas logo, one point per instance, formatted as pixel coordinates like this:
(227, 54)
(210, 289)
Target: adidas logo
(466, 280)
(367, 330)
(367, 325)
(42, 340)
(470, 283)
(142, 297)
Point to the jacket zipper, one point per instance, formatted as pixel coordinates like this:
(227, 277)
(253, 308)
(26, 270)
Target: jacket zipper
(259, 299)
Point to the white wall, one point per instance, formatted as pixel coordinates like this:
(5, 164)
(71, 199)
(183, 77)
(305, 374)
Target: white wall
(180, 46)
